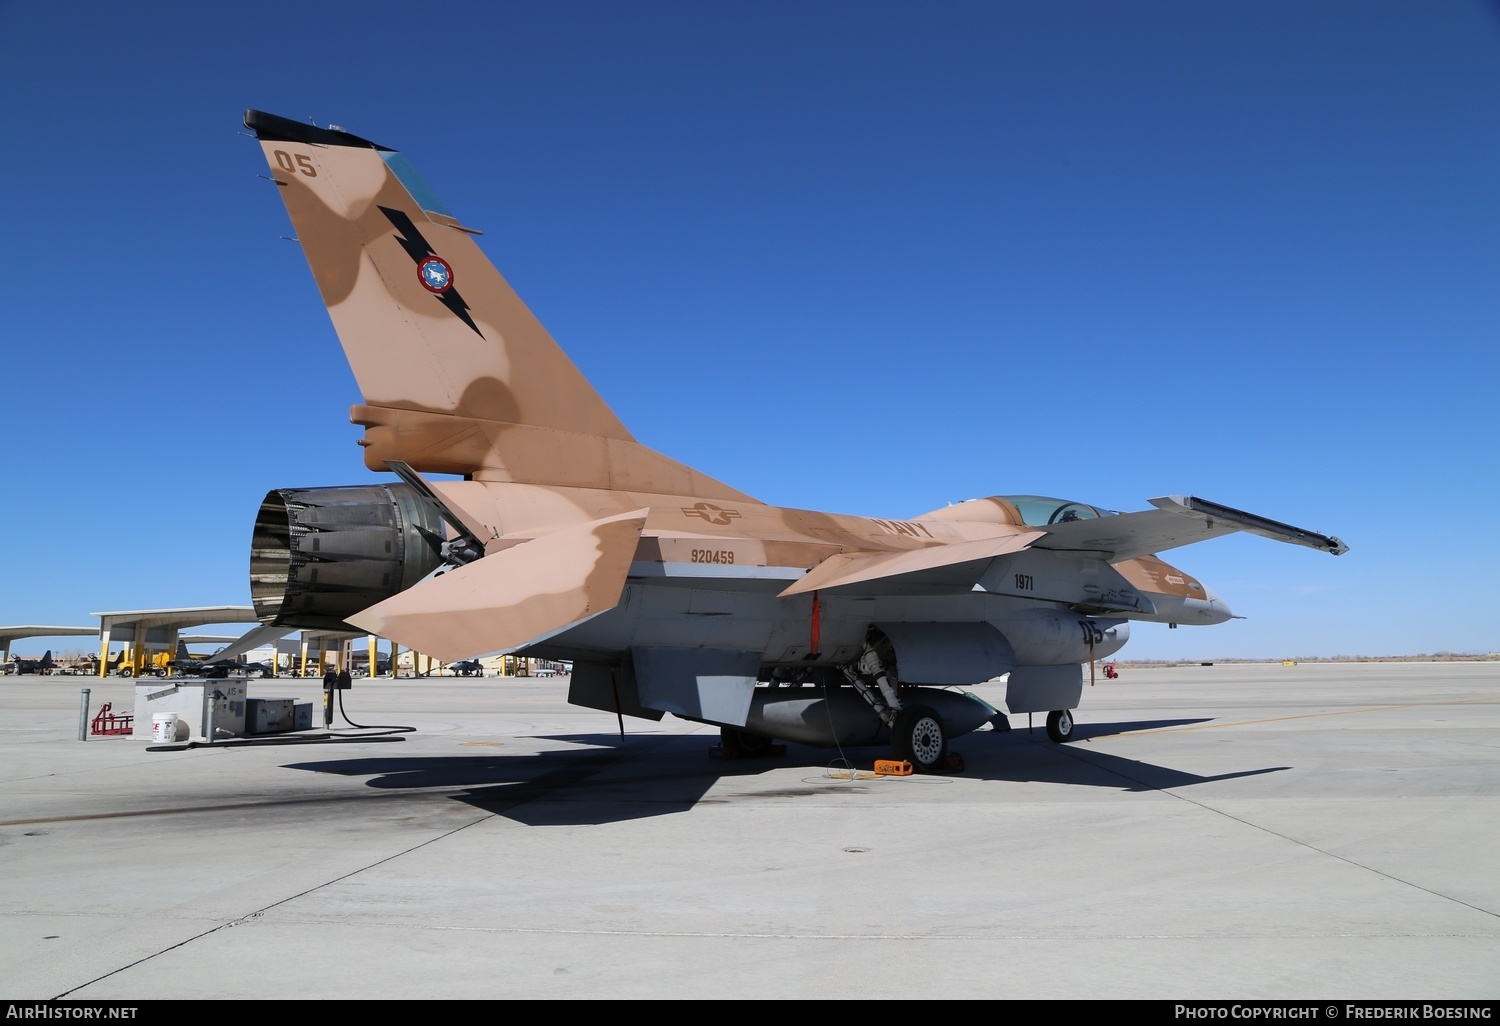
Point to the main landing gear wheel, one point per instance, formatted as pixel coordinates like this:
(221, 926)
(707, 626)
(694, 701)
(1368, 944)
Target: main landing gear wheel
(1060, 725)
(918, 738)
(744, 744)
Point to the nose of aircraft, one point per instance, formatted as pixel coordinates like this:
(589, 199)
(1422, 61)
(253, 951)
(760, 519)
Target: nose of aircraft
(1213, 607)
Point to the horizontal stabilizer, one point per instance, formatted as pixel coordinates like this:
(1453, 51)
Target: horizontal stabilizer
(1177, 521)
(512, 598)
(843, 569)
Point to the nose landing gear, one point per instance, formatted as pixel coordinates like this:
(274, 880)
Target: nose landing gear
(1060, 725)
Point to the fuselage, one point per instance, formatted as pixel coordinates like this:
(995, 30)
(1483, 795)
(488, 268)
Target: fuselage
(723, 567)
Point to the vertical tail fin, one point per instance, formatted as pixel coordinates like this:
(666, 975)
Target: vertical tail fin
(427, 322)
(457, 374)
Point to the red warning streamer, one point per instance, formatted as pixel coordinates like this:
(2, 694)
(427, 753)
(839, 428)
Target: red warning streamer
(817, 625)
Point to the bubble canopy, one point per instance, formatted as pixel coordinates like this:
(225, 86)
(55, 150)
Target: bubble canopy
(1042, 511)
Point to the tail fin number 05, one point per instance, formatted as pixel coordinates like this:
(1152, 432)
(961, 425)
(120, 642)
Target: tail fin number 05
(302, 164)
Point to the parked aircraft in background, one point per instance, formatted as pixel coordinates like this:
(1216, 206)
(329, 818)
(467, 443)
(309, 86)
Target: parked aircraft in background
(40, 666)
(670, 591)
(185, 664)
(229, 667)
(360, 667)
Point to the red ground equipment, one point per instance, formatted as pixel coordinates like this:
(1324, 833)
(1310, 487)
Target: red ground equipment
(107, 722)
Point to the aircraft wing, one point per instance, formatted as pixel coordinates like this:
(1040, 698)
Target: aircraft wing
(506, 600)
(935, 564)
(1177, 520)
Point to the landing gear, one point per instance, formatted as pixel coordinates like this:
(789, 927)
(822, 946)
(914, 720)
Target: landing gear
(743, 743)
(1060, 725)
(917, 736)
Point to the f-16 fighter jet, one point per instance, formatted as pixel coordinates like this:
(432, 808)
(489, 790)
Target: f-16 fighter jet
(670, 592)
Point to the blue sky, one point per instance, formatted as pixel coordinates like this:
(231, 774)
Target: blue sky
(869, 257)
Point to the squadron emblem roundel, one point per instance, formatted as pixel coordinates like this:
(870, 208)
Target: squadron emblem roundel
(435, 274)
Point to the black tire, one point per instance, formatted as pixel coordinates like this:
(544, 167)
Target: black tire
(1060, 725)
(126, 671)
(744, 743)
(918, 737)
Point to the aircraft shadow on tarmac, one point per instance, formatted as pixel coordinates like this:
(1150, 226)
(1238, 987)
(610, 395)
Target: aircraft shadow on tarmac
(660, 775)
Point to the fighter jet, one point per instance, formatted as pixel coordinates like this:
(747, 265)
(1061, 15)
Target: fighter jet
(185, 664)
(41, 666)
(671, 592)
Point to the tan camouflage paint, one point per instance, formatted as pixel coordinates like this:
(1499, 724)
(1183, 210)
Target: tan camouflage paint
(565, 496)
(505, 600)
